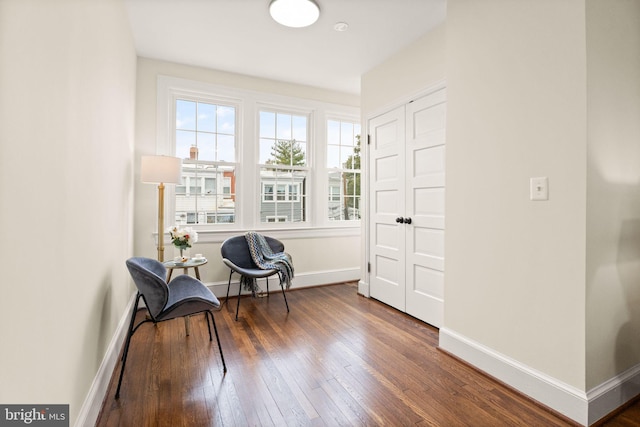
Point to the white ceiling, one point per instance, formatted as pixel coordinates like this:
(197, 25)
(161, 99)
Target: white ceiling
(239, 36)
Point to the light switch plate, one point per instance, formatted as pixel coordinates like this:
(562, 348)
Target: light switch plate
(539, 189)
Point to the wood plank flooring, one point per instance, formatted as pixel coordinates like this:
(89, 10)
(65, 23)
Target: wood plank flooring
(337, 359)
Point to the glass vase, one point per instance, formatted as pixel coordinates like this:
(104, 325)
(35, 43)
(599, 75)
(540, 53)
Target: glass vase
(184, 251)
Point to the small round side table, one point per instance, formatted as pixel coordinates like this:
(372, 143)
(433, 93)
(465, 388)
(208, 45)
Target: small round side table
(191, 263)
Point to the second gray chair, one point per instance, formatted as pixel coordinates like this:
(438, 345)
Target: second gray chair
(236, 255)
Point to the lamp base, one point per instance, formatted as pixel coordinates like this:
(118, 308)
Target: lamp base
(161, 222)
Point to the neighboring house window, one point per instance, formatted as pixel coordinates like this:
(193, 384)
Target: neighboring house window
(284, 192)
(283, 166)
(343, 163)
(205, 139)
(226, 187)
(334, 191)
(267, 192)
(293, 192)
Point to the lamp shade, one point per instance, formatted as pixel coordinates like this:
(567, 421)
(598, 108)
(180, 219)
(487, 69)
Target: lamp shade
(161, 169)
(294, 13)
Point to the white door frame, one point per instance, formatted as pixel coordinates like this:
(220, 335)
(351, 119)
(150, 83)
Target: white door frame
(363, 284)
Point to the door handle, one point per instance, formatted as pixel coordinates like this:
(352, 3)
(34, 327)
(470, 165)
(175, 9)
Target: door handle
(399, 220)
(407, 220)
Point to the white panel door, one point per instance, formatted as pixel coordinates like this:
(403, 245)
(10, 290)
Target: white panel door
(425, 156)
(406, 207)
(386, 198)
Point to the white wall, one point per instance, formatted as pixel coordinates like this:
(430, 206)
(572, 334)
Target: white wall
(318, 257)
(414, 68)
(67, 79)
(515, 269)
(613, 190)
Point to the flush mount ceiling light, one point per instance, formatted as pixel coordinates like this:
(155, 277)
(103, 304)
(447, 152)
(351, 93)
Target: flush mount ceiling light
(294, 13)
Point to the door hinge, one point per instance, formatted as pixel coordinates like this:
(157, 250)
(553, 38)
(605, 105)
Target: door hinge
(368, 267)
(368, 139)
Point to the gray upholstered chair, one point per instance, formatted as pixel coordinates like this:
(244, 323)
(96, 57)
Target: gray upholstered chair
(236, 256)
(183, 296)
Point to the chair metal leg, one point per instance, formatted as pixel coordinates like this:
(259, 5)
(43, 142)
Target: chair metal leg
(127, 342)
(215, 328)
(267, 286)
(228, 287)
(239, 292)
(132, 322)
(133, 317)
(187, 329)
(285, 296)
(208, 324)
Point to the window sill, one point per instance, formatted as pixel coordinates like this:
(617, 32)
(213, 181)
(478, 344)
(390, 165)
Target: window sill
(219, 236)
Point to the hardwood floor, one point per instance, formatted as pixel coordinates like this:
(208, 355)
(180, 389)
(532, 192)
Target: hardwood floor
(337, 359)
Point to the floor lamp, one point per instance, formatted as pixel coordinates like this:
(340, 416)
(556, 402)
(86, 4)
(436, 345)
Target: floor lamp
(161, 170)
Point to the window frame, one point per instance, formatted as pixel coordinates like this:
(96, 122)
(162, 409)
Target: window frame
(248, 191)
(308, 167)
(329, 195)
(167, 131)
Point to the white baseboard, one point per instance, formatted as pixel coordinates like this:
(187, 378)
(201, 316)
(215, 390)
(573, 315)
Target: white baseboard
(584, 408)
(303, 280)
(363, 288)
(613, 393)
(93, 402)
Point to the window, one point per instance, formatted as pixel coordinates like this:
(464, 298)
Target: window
(293, 193)
(226, 187)
(257, 160)
(209, 185)
(334, 190)
(267, 192)
(283, 166)
(205, 140)
(343, 162)
(289, 193)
